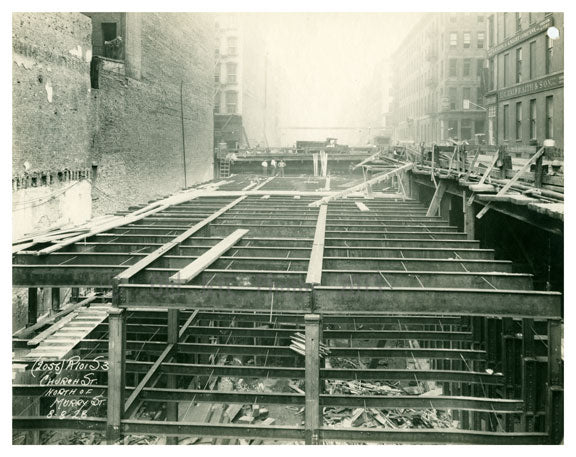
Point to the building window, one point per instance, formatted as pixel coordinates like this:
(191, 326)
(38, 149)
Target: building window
(519, 121)
(533, 119)
(452, 96)
(549, 117)
(504, 24)
(217, 73)
(480, 37)
(231, 73)
(505, 70)
(217, 103)
(519, 65)
(452, 128)
(505, 122)
(453, 40)
(467, 65)
(231, 102)
(232, 45)
(466, 129)
(466, 93)
(532, 72)
(467, 39)
(549, 47)
(518, 22)
(452, 67)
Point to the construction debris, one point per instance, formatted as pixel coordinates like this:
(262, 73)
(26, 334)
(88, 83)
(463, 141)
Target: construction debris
(298, 344)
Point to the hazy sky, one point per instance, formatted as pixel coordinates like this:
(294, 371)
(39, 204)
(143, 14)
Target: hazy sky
(329, 57)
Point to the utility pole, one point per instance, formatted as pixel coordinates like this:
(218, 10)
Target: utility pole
(183, 133)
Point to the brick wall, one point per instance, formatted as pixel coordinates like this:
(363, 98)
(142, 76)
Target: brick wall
(51, 90)
(138, 144)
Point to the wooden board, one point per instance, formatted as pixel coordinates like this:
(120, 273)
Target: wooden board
(362, 207)
(189, 272)
(314, 275)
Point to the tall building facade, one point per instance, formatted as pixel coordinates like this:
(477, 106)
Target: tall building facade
(525, 97)
(245, 77)
(438, 79)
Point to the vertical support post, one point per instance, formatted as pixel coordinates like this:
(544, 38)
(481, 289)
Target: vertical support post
(529, 383)
(538, 171)
(508, 366)
(55, 295)
(32, 305)
(445, 207)
(313, 416)
(116, 373)
(469, 217)
(555, 387)
(75, 294)
(33, 436)
(171, 381)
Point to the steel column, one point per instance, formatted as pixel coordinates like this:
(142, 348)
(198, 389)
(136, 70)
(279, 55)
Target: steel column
(313, 412)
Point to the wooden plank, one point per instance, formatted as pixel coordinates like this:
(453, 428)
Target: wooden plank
(314, 275)
(366, 160)
(28, 330)
(510, 183)
(490, 167)
(189, 272)
(361, 206)
(53, 329)
(125, 276)
(436, 199)
(376, 179)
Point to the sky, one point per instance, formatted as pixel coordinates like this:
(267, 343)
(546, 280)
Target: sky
(328, 58)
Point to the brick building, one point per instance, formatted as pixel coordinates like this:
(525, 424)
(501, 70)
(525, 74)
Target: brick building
(96, 135)
(438, 66)
(525, 100)
(246, 106)
(153, 105)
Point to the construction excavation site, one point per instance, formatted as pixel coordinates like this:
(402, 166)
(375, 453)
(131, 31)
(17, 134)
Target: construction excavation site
(287, 228)
(373, 306)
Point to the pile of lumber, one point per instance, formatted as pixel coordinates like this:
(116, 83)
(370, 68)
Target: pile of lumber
(298, 344)
(399, 419)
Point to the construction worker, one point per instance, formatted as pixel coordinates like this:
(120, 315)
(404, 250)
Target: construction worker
(265, 168)
(281, 167)
(273, 167)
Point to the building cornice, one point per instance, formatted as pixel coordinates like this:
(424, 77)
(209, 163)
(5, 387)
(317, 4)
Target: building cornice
(521, 36)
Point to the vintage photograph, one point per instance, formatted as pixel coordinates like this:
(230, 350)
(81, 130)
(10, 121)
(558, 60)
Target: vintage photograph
(260, 228)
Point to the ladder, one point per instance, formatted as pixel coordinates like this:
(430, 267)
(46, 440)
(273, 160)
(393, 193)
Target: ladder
(224, 168)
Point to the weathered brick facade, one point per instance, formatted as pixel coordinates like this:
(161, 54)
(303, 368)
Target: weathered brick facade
(138, 145)
(130, 127)
(51, 90)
